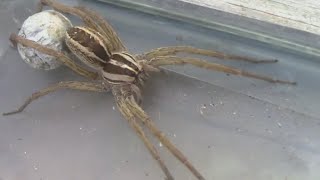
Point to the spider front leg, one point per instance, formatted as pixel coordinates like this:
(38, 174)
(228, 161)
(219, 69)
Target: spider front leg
(173, 50)
(116, 44)
(15, 39)
(92, 20)
(174, 60)
(74, 85)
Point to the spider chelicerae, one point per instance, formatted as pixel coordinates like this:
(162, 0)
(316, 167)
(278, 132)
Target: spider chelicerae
(113, 68)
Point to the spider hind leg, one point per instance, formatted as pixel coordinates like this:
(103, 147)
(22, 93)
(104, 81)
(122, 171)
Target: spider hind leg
(129, 116)
(174, 60)
(173, 50)
(139, 113)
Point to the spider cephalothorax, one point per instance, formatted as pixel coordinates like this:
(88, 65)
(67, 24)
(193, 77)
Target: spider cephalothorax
(116, 68)
(97, 45)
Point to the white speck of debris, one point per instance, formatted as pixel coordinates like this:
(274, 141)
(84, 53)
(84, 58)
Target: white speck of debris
(80, 128)
(269, 131)
(27, 156)
(16, 21)
(185, 95)
(234, 113)
(114, 108)
(160, 144)
(117, 170)
(29, 10)
(221, 102)
(279, 124)
(202, 108)
(35, 168)
(92, 130)
(174, 135)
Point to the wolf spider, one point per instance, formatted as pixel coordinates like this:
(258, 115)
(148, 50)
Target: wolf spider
(125, 84)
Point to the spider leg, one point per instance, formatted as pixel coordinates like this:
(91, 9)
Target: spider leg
(15, 39)
(139, 113)
(104, 26)
(92, 20)
(75, 85)
(173, 50)
(174, 60)
(125, 111)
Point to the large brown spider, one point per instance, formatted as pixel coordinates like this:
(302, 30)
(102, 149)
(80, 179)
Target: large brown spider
(97, 45)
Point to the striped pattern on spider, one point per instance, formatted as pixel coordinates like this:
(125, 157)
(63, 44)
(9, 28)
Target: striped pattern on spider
(97, 45)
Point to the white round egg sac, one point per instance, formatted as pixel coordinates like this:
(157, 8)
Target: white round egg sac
(47, 28)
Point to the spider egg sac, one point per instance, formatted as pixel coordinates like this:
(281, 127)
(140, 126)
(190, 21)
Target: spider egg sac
(47, 28)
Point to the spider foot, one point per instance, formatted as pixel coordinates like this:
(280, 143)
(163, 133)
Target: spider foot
(11, 112)
(265, 61)
(284, 82)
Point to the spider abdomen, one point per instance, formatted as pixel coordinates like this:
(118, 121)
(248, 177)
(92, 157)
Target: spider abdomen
(122, 68)
(88, 45)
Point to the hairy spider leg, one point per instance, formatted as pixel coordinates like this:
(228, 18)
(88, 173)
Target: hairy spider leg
(140, 114)
(74, 85)
(173, 50)
(174, 60)
(129, 116)
(92, 20)
(116, 45)
(15, 39)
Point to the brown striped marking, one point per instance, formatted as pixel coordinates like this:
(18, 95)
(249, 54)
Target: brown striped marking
(85, 42)
(127, 59)
(122, 68)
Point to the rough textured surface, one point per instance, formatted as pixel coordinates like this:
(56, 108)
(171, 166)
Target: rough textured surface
(47, 28)
(230, 127)
(297, 14)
